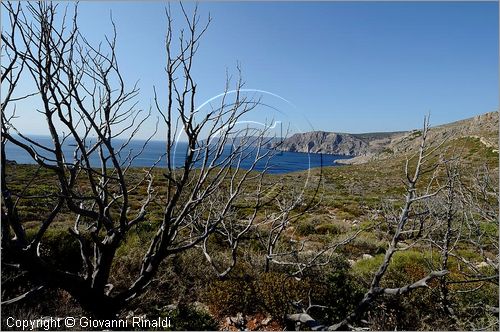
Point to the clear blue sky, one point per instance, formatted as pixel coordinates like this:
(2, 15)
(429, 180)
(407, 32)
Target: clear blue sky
(347, 67)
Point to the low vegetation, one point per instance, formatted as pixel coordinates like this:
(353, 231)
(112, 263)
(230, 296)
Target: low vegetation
(352, 198)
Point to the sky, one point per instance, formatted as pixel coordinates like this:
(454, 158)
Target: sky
(341, 66)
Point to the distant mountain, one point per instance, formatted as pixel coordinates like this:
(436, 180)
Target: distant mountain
(369, 146)
(337, 143)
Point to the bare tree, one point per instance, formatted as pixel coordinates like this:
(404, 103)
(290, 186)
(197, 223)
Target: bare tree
(444, 210)
(407, 224)
(85, 102)
(466, 212)
(404, 227)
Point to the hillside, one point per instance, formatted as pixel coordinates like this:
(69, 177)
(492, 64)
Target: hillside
(374, 146)
(336, 143)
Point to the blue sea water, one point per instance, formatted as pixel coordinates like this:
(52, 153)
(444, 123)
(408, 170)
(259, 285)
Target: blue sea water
(281, 162)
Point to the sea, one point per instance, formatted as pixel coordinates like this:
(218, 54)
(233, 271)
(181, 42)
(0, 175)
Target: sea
(279, 163)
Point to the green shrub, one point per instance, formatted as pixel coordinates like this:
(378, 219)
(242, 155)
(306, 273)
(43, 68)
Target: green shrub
(338, 291)
(364, 244)
(270, 292)
(405, 267)
(233, 295)
(328, 229)
(276, 291)
(305, 228)
(410, 311)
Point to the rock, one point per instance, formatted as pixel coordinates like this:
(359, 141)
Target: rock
(351, 262)
(367, 256)
(481, 265)
(200, 306)
(170, 307)
(239, 321)
(402, 245)
(266, 320)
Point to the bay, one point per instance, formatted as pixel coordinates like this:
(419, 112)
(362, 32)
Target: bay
(280, 162)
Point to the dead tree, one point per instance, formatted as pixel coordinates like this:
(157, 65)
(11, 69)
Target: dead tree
(85, 101)
(468, 202)
(412, 197)
(280, 247)
(407, 223)
(12, 67)
(445, 209)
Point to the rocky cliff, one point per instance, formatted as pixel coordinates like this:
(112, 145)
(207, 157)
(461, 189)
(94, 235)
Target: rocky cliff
(338, 143)
(364, 147)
